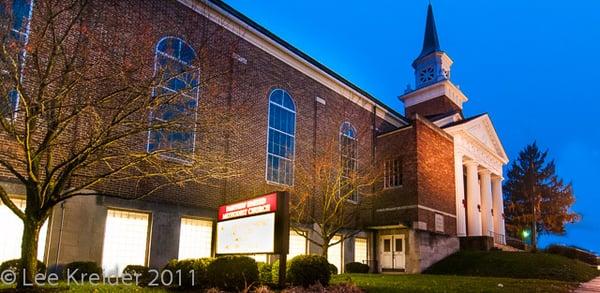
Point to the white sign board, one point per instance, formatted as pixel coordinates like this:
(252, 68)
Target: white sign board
(246, 235)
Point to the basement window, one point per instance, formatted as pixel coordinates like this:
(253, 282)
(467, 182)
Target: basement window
(297, 245)
(125, 241)
(360, 250)
(195, 238)
(12, 232)
(334, 253)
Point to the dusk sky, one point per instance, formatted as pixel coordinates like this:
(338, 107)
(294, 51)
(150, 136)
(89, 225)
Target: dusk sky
(532, 65)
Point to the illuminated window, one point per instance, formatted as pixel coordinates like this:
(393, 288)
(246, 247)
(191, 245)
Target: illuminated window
(297, 245)
(125, 241)
(259, 257)
(281, 138)
(21, 16)
(392, 173)
(178, 92)
(361, 251)
(349, 161)
(195, 238)
(12, 233)
(334, 253)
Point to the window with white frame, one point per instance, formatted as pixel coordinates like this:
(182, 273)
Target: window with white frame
(173, 123)
(281, 138)
(361, 250)
(392, 176)
(125, 241)
(195, 238)
(297, 245)
(12, 233)
(20, 16)
(349, 161)
(334, 253)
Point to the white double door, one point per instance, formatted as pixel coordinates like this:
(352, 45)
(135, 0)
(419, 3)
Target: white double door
(391, 252)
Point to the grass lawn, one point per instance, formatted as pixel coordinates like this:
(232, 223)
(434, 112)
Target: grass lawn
(89, 288)
(439, 283)
(382, 283)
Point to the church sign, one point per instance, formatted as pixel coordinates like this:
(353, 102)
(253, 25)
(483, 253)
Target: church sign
(254, 226)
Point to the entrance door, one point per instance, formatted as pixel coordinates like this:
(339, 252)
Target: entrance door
(392, 256)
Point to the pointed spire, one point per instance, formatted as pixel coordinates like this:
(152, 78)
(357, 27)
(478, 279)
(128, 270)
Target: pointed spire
(431, 42)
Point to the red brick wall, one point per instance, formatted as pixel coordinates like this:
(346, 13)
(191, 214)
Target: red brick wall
(439, 105)
(435, 173)
(243, 89)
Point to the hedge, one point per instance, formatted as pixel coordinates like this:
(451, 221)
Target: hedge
(356, 267)
(234, 273)
(81, 270)
(197, 279)
(306, 270)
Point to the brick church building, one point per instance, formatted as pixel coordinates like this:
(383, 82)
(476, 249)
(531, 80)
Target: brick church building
(442, 182)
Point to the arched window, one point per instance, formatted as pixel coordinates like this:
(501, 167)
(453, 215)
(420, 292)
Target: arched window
(20, 16)
(281, 138)
(177, 92)
(348, 160)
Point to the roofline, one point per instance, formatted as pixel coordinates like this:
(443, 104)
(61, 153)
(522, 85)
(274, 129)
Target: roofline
(240, 16)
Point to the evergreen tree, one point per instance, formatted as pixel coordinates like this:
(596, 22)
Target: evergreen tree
(535, 197)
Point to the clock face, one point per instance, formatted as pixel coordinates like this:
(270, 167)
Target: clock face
(426, 74)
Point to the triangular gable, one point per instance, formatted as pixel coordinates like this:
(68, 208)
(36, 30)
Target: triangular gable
(482, 129)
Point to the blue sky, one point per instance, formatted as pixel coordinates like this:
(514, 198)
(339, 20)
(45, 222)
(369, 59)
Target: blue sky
(532, 65)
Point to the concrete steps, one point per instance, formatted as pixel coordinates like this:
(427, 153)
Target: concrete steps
(589, 287)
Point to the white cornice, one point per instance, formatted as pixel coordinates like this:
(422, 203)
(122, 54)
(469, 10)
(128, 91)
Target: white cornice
(438, 89)
(258, 39)
(461, 130)
(447, 120)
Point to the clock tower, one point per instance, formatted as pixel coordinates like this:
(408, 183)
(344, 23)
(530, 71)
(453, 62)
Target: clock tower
(434, 93)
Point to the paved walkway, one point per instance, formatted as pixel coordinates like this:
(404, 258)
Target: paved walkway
(589, 287)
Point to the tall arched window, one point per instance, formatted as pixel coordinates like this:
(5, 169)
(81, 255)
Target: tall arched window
(178, 92)
(348, 160)
(281, 138)
(20, 16)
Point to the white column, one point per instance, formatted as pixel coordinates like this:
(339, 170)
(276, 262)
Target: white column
(487, 221)
(473, 200)
(498, 207)
(461, 224)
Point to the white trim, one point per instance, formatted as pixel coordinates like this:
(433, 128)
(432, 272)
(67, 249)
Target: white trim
(441, 88)
(415, 206)
(394, 131)
(256, 38)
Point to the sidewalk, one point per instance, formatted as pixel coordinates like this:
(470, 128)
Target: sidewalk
(589, 287)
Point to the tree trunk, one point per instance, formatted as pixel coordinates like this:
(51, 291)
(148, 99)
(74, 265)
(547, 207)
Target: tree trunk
(534, 225)
(29, 250)
(324, 248)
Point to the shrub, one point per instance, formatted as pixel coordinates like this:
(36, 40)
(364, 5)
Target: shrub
(356, 267)
(333, 269)
(197, 279)
(141, 274)
(81, 270)
(519, 265)
(15, 265)
(306, 270)
(574, 253)
(264, 273)
(233, 272)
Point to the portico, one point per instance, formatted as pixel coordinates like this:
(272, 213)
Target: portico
(479, 158)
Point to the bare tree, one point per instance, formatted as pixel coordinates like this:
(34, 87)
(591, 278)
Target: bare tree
(331, 192)
(90, 108)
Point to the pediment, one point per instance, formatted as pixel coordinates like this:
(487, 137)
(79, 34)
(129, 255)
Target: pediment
(482, 130)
